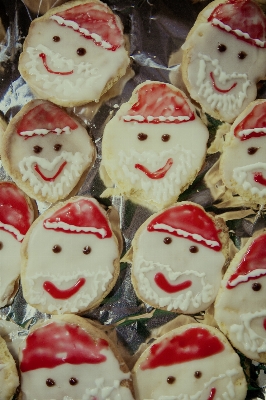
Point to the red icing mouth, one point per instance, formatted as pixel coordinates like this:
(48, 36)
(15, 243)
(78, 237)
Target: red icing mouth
(160, 173)
(258, 177)
(264, 324)
(43, 57)
(63, 294)
(167, 287)
(212, 394)
(218, 89)
(52, 178)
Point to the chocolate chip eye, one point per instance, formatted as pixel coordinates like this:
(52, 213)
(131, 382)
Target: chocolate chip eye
(193, 249)
(221, 47)
(56, 39)
(73, 381)
(50, 382)
(241, 55)
(256, 286)
(87, 250)
(252, 150)
(57, 147)
(171, 380)
(37, 149)
(198, 374)
(167, 240)
(142, 136)
(57, 248)
(81, 51)
(1, 245)
(165, 137)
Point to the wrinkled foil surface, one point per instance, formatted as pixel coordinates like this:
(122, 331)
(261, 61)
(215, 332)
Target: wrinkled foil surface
(155, 31)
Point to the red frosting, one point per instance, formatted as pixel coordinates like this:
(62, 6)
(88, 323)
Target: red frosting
(45, 116)
(14, 208)
(243, 15)
(60, 343)
(159, 100)
(82, 213)
(192, 220)
(96, 20)
(194, 343)
(254, 259)
(255, 119)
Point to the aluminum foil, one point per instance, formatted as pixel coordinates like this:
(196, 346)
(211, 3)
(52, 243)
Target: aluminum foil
(155, 30)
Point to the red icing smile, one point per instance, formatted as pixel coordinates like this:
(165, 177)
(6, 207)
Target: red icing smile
(167, 287)
(63, 294)
(264, 324)
(217, 88)
(258, 177)
(52, 178)
(160, 173)
(212, 394)
(43, 57)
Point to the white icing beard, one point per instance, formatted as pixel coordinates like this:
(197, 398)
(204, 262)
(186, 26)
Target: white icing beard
(244, 176)
(61, 185)
(226, 103)
(159, 190)
(184, 300)
(246, 336)
(95, 285)
(84, 74)
(204, 394)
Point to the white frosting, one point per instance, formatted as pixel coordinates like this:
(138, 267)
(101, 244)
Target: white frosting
(178, 265)
(64, 269)
(150, 118)
(238, 32)
(246, 132)
(121, 151)
(185, 234)
(251, 275)
(203, 58)
(41, 132)
(12, 229)
(86, 76)
(73, 228)
(9, 266)
(101, 380)
(243, 174)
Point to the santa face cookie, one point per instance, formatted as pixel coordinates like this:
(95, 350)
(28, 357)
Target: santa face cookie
(243, 161)
(74, 53)
(9, 380)
(70, 258)
(16, 215)
(240, 308)
(46, 151)
(178, 259)
(154, 146)
(224, 57)
(68, 358)
(192, 362)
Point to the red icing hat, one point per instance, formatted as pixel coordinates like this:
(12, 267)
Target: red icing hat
(158, 102)
(81, 216)
(188, 221)
(243, 19)
(60, 343)
(252, 265)
(93, 21)
(254, 124)
(194, 343)
(15, 213)
(45, 118)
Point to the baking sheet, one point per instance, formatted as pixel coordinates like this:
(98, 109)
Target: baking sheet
(156, 30)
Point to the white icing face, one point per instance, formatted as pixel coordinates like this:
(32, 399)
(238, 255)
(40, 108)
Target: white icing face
(68, 272)
(172, 275)
(91, 381)
(52, 164)
(223, 71)
(66, 66)
(241, 311)
(154, 169)
(10, 264)
(243, 165)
